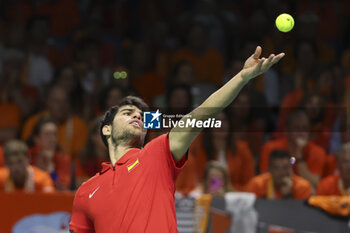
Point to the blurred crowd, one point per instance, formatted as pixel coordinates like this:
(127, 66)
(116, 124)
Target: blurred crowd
(286, 135)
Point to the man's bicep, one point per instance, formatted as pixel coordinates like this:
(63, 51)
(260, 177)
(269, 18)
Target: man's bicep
(80, 222)
(180, 141)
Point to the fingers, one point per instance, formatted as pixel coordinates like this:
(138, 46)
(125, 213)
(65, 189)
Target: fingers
(272, 60)
(257, 52)
(277, 58)
(259, 65)
(269, 60)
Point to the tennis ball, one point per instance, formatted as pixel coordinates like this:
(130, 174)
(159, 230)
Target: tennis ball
(284, 22)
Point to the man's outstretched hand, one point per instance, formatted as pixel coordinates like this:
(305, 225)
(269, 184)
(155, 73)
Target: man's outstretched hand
(254, 66)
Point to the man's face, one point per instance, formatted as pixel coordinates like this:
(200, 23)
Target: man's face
(279, 169)
(47, 138)
(17, 164)
(299, 128)
(344, 166)
(313, 107)
(58, 104)
(128, 125)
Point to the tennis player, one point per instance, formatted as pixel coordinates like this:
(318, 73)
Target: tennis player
(135, 192)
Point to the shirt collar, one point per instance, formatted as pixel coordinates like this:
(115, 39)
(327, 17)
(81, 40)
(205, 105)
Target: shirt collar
(125, 158)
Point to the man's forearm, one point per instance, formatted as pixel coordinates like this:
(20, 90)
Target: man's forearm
(220, 99)
(181, 139)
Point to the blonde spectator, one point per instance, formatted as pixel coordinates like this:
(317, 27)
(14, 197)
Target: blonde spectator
(338, 184)
(18, 175)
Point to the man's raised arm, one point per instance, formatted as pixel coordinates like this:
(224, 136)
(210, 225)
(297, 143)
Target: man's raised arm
(181, 138)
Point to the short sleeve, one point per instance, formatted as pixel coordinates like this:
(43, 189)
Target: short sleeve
(303, 190)
(80, 223)
(160, 147)
(252, 187)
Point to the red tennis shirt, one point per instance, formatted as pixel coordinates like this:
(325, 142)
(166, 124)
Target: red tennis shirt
(137, 195)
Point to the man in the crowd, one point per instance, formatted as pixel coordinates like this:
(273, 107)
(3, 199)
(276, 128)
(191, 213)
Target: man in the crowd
(18, 175)
(310, 158)
(280, 182)
(72, 130)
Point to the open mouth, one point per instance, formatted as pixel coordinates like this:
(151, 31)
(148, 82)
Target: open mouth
(136, 123)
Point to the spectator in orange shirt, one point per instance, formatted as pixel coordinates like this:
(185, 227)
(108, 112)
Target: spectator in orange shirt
(310, 158)
(280, 182)
(18, 175)
(235, 155)
(46, 154)
(321, 116)
(13, 89)
(247, 124)
(72, 130)
(338, 184)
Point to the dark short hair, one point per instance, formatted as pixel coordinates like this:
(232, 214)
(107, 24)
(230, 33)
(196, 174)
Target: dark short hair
(37, 128)
(278, 154)
(110, 114)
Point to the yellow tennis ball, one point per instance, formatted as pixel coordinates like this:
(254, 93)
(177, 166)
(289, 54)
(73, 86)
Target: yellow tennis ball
(284, 22)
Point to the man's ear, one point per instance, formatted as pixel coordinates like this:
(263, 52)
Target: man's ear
(107, 130)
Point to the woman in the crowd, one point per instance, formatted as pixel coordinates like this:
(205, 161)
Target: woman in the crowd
(45, 153)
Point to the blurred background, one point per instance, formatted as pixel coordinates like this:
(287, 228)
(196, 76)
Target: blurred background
(58, 64)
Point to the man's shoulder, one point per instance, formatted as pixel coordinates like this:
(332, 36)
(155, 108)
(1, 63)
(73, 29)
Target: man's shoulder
(331, 179)
(315, 149)
(86, 186)
(261, 179)
(4, 172)
(300, 181)
(280, 143)
(156, 141)
(39, 173)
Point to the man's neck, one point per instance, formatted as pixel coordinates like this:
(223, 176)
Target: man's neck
(116, 152)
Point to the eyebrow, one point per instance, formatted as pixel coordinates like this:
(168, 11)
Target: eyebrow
(130, 110)
(127, 109)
